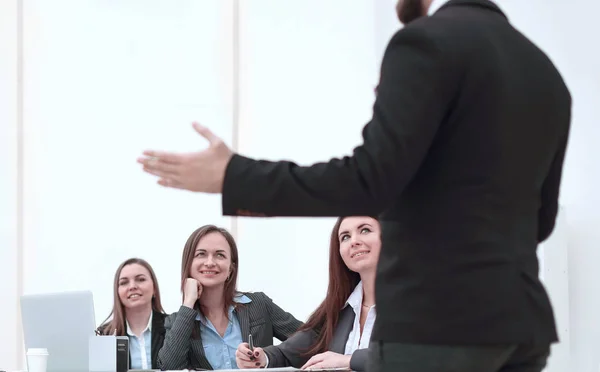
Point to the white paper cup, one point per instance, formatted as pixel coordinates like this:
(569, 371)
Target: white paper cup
(37, 360)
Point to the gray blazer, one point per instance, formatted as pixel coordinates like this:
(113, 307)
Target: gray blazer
(289, 353)
(260, 317)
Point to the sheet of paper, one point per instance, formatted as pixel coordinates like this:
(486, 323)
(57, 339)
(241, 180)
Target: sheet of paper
(285, 369)
(282, 369)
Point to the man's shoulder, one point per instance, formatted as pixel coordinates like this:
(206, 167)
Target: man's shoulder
(428, 30)
(455, 24)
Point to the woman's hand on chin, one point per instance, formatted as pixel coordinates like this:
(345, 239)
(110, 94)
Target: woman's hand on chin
(191, 292)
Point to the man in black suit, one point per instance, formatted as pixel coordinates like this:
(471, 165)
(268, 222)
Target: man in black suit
(462, 161)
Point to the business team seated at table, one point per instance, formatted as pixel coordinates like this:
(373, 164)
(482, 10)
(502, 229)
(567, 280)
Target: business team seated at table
(212, 328)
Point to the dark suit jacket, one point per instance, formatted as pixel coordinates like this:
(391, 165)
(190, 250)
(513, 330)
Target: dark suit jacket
(157, 336)
(260, 317)
(462, 162)
(290, 352)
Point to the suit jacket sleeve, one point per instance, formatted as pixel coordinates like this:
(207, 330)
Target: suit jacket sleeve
(284, 323)
(174, 353)
(289, 353)
(358, 361)
(550, 192)
(414, 94)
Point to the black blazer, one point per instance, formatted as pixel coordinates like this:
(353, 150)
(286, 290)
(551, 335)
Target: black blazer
(157, 336)
(462, 162)
(260, 317)
(290, 352)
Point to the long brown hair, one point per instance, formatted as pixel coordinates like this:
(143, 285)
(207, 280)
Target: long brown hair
(116, 325)
(187, 258)
(342, 282)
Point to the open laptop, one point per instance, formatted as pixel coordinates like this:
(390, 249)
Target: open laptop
(62, 323)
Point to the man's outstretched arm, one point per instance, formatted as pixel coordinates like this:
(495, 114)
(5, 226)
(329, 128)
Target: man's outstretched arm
(414, 94)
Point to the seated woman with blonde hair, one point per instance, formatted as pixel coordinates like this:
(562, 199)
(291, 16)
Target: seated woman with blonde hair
(338, 333)
(137, 313)
(215, 318)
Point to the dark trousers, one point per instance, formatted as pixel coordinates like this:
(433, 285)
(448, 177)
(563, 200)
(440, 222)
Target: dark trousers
(397, 357)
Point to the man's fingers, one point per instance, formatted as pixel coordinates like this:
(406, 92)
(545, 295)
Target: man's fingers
(170, 182)
(206, 133)
(162, 156)
(163, 172)
(157, 164)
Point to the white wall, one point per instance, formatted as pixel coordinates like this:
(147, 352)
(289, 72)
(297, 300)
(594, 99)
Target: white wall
(134, 75)
(305, 95)
(554, 272)
(108, 79)
(582, 178)
(9, 257)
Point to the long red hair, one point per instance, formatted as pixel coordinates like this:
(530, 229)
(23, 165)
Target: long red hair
(342, 282)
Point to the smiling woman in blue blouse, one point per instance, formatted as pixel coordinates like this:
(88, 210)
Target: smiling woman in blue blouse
(215, 318)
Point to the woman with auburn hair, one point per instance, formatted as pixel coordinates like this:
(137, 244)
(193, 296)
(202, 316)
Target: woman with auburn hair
(338, 333)
(215, 318)
(137, 313)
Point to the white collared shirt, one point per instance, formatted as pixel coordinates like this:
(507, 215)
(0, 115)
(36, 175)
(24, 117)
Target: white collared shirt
(140, 348)
(355, 340)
